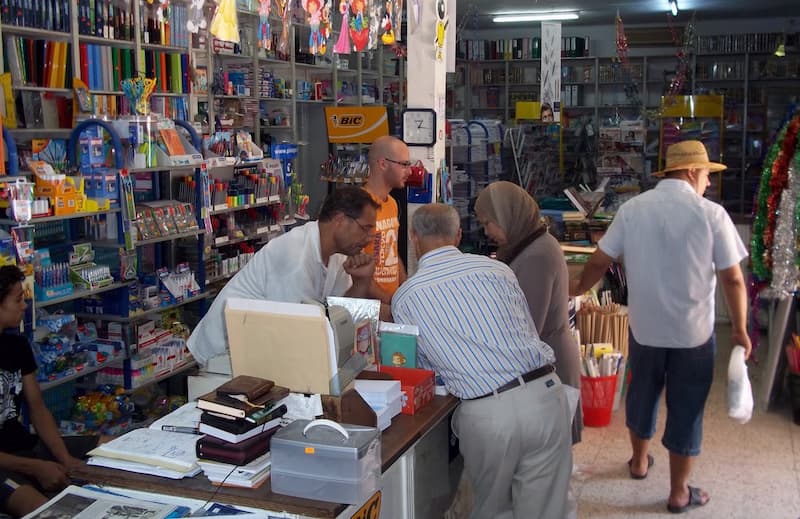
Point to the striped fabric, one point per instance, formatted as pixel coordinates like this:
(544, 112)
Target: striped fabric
(475, 327)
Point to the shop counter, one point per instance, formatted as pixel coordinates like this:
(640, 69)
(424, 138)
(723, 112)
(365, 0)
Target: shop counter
(401, 467)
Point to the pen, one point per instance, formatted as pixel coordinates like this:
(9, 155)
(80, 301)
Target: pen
(180, 429)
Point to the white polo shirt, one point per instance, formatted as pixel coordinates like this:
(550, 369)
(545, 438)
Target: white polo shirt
(288, 269)
(671, 242)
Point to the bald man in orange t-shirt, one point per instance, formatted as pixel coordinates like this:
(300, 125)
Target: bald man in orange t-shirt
(389, 167)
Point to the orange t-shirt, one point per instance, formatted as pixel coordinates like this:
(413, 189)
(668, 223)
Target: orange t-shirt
(384, 246)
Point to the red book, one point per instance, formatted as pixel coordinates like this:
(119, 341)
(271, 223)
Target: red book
(84, 62)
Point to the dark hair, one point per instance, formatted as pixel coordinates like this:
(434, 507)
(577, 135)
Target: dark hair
(348, 200)
(10, 275)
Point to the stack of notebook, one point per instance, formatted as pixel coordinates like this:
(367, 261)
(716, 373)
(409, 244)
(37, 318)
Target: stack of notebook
(238, 420)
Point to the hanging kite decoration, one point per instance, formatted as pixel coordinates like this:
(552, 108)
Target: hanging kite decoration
(441, 28)
(264, 30)
(342, 45)
(359, 30)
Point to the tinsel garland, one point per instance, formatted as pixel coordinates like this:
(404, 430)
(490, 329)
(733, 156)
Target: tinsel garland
(784, 248)
(774, 178)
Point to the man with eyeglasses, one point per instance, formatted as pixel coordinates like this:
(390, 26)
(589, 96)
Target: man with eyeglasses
(389, 168)
(309, 263)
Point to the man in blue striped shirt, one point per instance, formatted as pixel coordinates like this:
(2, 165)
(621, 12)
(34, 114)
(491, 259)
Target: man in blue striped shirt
(513, 423)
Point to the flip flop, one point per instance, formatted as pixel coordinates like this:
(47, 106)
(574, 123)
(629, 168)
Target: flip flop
(650, 462)
(695, 500)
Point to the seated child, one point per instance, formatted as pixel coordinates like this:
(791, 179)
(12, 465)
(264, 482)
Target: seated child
(31, 465)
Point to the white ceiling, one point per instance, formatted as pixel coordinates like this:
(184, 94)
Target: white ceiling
(599, 12)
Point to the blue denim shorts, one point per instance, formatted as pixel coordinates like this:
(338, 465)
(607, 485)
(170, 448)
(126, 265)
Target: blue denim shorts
(686, 373)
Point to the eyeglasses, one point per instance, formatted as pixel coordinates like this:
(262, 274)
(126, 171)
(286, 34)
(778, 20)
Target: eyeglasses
(401, 163)
(368, 229)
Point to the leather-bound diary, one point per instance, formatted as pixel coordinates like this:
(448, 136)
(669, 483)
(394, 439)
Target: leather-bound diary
(214, 449)
(250, 387)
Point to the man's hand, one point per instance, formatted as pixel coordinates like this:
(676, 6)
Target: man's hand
(72, 463)
(741, 338)
(51, 475)
(361, 266)
(574, 285)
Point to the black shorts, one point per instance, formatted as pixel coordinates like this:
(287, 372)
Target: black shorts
(77, 446)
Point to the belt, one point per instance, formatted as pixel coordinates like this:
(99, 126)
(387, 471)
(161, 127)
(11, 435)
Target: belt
(527, 377)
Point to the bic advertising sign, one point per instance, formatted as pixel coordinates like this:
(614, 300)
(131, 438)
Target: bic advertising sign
(355, 124)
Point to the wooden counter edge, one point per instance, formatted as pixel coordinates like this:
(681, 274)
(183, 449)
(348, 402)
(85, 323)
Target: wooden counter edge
(396, 440)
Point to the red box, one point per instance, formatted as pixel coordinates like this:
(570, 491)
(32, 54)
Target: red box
(417, 384)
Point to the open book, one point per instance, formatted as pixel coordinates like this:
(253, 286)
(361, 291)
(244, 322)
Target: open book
(170, 450)
(587, 203)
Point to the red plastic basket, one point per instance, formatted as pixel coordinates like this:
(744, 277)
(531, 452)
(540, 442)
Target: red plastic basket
(597, 400)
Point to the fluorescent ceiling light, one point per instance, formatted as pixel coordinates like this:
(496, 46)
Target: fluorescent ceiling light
(673, 7)
(535, 17)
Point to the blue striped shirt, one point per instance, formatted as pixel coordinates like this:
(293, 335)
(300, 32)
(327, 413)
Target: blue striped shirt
(475, 327)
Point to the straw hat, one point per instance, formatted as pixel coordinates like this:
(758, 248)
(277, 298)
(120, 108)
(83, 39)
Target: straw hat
(687, 155)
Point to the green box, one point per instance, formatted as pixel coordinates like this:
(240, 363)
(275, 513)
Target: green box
(398, 350)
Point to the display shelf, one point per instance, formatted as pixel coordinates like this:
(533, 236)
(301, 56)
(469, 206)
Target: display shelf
(32, 32)
(164, 48)
(33, 133)
(120, 44)
(249, 237)
(171, 237)
(28, 88)
(160, 169)
(140, 315)
(217, 279)
(274, 199)
(106, 92)
(45, 219)
(80, 294)
(186, 366)
(44, 386)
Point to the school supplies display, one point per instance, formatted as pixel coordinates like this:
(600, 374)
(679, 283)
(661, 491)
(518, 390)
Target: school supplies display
(607, 322)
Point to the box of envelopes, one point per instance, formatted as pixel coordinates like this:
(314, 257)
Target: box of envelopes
(327, 461)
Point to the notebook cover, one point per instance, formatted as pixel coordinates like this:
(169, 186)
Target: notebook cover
(239, 425)
(250, 387)
(231, 406)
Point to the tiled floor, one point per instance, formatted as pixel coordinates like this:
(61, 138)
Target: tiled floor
(750, 471)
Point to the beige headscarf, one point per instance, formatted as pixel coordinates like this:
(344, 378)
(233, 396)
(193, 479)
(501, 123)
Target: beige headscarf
(513, 210)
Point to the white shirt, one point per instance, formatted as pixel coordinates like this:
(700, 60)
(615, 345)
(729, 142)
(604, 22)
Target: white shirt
(672, 241)
(475, 329)
(287, 269)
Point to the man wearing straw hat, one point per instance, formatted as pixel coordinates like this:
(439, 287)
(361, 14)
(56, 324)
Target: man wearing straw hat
(673, 243)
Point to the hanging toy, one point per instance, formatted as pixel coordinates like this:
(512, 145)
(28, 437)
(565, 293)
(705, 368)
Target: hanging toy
(196, 19)
(441, 28)
(359, 31)
(325, 25)
(264, 31)
(316, 40)
(388, 34)
(397, 15)
(343, 42)
(225, 24)
(162, 11)
(375, 9)
(285, 9)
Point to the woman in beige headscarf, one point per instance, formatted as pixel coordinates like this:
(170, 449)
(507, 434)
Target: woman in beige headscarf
(510, 218)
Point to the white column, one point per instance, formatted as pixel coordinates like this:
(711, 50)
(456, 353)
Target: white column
(426, 85)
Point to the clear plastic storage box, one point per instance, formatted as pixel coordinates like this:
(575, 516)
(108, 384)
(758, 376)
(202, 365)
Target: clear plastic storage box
(326, 461)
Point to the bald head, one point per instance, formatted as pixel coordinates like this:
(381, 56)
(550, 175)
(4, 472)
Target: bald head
(385, 146)
(388, 166)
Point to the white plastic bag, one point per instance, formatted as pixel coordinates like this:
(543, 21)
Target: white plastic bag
(740, 394)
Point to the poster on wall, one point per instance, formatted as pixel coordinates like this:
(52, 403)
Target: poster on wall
(550, 95)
